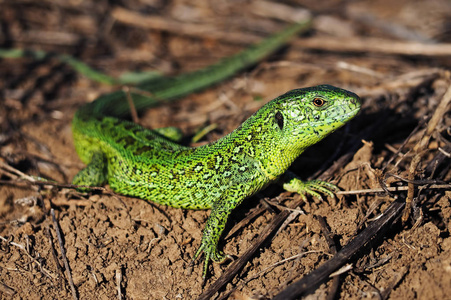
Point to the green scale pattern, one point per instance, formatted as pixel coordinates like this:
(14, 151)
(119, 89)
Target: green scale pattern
(143, 163)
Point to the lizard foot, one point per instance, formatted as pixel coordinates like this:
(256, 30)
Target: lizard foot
(211, 253)
(312, 187)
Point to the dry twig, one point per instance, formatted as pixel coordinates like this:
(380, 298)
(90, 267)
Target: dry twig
(374, 45)
(420, 148)
(63, 254)
(26, 250)
(7, 290)
(118, 283)
(333, 249)
(393, 189)
(313, 279)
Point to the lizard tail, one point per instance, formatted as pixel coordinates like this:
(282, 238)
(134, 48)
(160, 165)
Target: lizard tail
(169, 88)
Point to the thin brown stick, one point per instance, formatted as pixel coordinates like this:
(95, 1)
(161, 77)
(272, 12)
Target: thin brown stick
(63, 254)
(374, 45)
(43, 270)
(34, 260)
(312, 280)
(4, 289)
(138, 20)
(131, 104)
(410, 186)
(16, 172)
(257, 211)
(264, 271)
(54, 254)
(333, 249)
(420, 148)
(360, 44)
(404, 143)
(31, 182)
(440, 111)
(447, 154)
(394, 282)
(45, 37)
(395, 29)
(391, 189)
(118, 283)
(276, 10)
(412, 79)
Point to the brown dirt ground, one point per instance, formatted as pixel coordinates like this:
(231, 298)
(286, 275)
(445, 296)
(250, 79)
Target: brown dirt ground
(148, 247)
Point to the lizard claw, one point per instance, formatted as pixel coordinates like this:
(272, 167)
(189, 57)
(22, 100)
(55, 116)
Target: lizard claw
(211, 253)
(312, 188)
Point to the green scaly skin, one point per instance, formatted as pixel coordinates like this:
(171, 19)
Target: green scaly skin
(146, 164)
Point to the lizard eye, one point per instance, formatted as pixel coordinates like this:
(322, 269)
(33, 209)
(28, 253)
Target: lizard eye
(279, 119)
(318, 102)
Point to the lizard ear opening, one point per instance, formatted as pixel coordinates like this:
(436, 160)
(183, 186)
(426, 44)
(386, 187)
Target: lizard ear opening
(279, 119)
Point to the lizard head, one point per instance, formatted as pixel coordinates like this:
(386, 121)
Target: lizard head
(294, 121)
(308, 115)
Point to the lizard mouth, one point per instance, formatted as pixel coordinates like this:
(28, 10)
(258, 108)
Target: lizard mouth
(350, 114)
(347, 115)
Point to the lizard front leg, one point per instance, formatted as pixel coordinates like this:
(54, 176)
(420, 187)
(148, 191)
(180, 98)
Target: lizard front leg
(95, 173)
(214, 227)
(291, 183)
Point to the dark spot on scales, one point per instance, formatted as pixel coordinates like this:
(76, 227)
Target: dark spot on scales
(142, 150)
(129, 126)
(126, 140)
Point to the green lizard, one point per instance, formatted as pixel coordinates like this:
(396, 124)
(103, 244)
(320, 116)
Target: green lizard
(147, 164)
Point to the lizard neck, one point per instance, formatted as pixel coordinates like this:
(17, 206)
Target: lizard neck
(257, 143)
